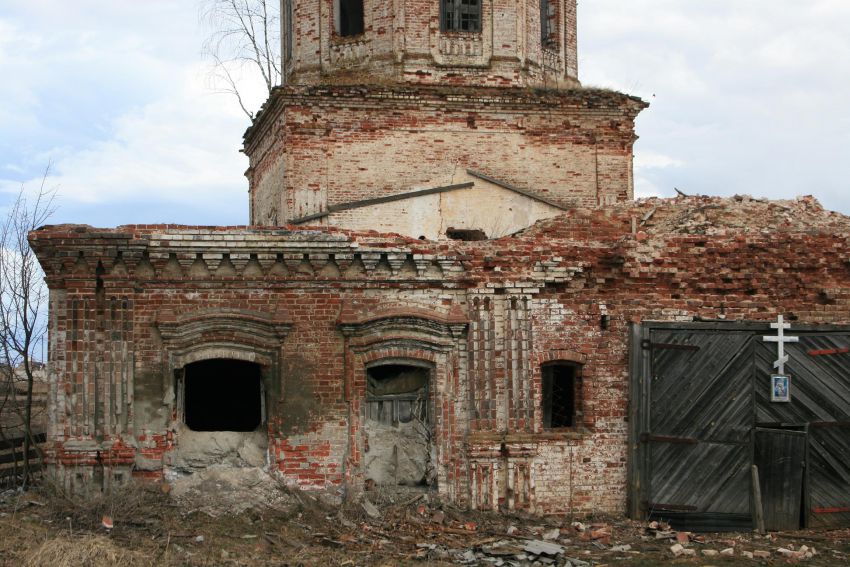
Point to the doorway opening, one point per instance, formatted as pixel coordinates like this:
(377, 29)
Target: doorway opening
(398, 426)
(223, 395)
(780, 455)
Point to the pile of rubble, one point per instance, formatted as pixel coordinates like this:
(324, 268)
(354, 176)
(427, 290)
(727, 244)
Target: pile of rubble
(690, 545)
(445, 534)
(693, 215)
(741, 213)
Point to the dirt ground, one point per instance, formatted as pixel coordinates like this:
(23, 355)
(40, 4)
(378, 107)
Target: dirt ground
(147, 526)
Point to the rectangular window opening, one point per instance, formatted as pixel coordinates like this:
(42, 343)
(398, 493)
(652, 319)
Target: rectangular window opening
(467, 234)
(560, 399)
(349, 17)
(400, 450)
(461, 16)
(222, 395)
(290, 28)
(549, 23)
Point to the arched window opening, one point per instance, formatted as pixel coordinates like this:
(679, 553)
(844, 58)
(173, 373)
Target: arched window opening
(222, 395)
(348, 17)
(561, 394)
(397, 429)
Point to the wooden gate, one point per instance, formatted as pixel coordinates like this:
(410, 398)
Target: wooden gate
(698, 393)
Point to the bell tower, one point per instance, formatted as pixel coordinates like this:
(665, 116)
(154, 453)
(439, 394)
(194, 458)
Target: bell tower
(504, 43)
(433, 118)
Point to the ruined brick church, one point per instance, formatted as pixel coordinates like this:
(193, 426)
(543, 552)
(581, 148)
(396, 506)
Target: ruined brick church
(445, 284)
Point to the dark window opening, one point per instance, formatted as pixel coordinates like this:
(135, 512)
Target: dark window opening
(289, 27)
(349, 17)
(397, 393)
(468, 234)
(461, 15)
(561, 386)
(549, 23)
(222, 395)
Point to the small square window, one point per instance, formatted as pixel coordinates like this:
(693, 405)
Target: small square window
(561, 388)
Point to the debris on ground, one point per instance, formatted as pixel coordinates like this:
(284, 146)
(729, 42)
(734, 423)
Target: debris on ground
(376, 528)
(236, 490)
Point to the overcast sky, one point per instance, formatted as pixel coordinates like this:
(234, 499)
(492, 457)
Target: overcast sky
(748, 96)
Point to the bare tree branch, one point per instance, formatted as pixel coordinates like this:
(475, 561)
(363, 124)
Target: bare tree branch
(23, 302)
(245, 35)
(230, 87)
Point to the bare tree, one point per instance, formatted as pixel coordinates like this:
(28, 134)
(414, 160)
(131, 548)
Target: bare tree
(23, 305)
(245, 36)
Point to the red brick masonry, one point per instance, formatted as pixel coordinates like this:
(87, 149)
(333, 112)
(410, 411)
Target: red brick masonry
(131, 305)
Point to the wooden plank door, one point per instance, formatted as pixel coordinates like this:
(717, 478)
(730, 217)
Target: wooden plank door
(780, 455)
(700, 418)
(819, 367)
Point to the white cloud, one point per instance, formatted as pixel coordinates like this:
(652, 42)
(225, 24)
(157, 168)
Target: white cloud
(748, 97)
(178, 149)
(117, 98)
(645, 188)
(651, 160)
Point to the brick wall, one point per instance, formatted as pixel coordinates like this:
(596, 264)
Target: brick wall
(403, 43)
(317, 147)
(316, 306)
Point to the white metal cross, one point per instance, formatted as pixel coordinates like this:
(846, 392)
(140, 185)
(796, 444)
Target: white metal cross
(781, 339)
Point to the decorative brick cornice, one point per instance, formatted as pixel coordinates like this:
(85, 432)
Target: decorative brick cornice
(406, 96)
(223, 333)
(402, 328)
(391, 322)
(147, 253)
(196, 327)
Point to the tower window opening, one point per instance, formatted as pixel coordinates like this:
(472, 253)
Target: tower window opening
(549, 23)
(222, 395)
(461, 15)
(289, 29)
(349, 17)
(561, 394)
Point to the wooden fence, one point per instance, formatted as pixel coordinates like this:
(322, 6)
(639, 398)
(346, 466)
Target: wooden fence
(12, 458)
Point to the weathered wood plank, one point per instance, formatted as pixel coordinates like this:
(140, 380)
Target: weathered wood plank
(695, 409)
(672, 346)
(829, 351)
(647, 438)
(829, 476)
(18, 441)
(758, 502)
(780, 456)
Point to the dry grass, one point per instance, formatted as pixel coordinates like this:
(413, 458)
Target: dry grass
(134, 503)
(85, 551)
